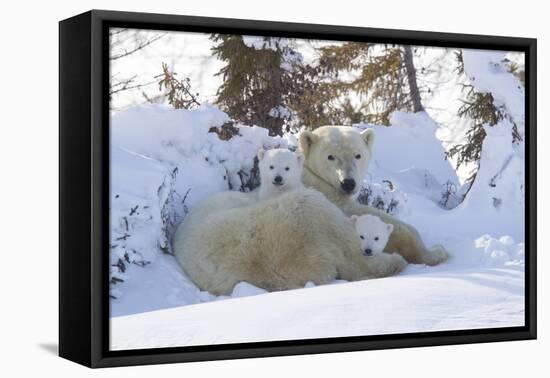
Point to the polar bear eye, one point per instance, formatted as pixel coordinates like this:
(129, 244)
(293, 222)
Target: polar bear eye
(330, 157)
(361, 236)
(358, 156)
(376, 238)
(271, 167)
(287, 169)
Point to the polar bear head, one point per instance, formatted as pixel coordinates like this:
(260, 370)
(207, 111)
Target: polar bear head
(339, 155)
(280, 169)
(373, 232)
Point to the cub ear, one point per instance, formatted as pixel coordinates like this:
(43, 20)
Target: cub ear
(368, 137)
(261, 153)
(307, 138)
(300, 158)
(354, 219)
(390, 228)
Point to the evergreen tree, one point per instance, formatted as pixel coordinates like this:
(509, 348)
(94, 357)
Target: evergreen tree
(481, 110)
(385, 78)
(256, 80)
(310, 98)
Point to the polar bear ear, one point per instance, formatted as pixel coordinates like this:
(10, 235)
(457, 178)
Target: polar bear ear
(368, 137)
(307, 138)
(300, 158)
(354, 219)
(261, 153)
(390, 228)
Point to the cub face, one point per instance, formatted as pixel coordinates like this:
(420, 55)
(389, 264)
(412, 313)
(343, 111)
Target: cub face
(280, 168)
(373, 232)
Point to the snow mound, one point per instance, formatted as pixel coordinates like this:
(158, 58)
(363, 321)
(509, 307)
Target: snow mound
(164, 133)
(431, 301)
(140, 189)
(383, 196)
(503, 251)
(408, 155)
(497, 196)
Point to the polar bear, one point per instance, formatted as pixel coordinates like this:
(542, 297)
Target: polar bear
(280, 171)
(335, 163)
(277, 244)
(373, 233)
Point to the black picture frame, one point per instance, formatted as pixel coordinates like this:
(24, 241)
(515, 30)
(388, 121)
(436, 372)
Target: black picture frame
(84, 189)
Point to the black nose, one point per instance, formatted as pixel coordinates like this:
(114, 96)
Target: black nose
(278, 179)
(368, 252)
(348, 185)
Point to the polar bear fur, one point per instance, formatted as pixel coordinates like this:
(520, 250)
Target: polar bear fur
(276, 244)
(280, 171)
(337, 157)
(373, 233)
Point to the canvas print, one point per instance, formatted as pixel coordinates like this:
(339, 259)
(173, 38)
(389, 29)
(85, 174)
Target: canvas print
(269, 188)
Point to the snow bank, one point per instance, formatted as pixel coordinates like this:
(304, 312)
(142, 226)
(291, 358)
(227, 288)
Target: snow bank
(140, 187)
(182, 138)
(408, 155)
(164, 161)
(486, 298)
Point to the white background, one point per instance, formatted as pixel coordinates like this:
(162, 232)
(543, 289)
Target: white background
(29, 189)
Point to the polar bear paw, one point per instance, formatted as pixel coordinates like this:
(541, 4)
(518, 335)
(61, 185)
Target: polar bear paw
(399, 263)
(386, 264)
(436, 255)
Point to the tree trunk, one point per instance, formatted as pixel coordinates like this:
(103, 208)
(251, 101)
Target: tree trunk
(411, 78)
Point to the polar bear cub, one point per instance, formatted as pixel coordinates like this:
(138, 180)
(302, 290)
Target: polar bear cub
(280, 171)
(373, 232)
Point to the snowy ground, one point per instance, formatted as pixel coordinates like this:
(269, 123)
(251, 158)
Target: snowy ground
(419, 300)
(164, 162)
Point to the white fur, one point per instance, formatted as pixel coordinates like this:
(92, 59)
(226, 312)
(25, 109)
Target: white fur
(351, 152)
(277, 244)
(373, 233)
(280, 171)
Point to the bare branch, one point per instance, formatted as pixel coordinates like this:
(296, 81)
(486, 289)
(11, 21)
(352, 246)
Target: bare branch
(139, 46)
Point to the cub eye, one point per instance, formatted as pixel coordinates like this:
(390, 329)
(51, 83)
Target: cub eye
(376, 238)
(287, 169)
(358, 156)
(330, 157)
(271, 167)
(361, 236)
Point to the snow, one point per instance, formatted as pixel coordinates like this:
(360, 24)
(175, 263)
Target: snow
(488, 74)
(406, 131)
(283, 45)
(165, 161)
(265, 43)
(480, 298)
(280, 112)
(408, 154)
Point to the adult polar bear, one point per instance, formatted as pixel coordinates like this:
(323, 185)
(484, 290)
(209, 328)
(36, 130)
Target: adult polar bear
(335, 164)
(276, 244)
(301, 236)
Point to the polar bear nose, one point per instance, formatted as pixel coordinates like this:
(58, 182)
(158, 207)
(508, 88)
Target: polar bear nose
(278, 178)
(348, 185)
(368, 252)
